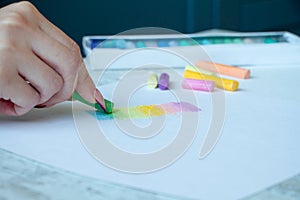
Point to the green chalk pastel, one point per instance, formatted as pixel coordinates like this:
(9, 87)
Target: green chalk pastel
(108, 105)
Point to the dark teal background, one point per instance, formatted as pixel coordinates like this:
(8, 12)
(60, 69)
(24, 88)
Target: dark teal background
(78, 18)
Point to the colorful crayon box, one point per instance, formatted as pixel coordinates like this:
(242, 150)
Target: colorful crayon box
(113, 46)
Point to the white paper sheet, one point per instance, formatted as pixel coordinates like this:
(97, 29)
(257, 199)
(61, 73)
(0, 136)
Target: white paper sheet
(259, 145)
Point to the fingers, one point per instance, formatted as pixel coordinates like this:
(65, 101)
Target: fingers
(17, 96)
(63, 60)
(7, 107)
(54, 48)
(44, 56)
(42, 77)
(20, 97)
(87, 89)
(69, 64)
(85, 85)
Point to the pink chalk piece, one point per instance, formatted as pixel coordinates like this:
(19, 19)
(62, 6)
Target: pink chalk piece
(202, 85)
(163, 82)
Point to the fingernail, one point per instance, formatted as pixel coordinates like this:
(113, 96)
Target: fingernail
(40, 106)
(99, 98)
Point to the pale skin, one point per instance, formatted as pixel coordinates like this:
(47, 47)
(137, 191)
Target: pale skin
(40, 65)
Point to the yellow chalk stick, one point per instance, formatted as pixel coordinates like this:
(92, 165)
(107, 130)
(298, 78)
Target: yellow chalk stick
(152, 81)
(226, 84)
(198, 70)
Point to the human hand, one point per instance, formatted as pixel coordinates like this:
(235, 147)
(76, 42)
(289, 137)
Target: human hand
(39, 64)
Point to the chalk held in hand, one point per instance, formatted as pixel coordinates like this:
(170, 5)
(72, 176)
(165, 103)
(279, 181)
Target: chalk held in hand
(202, 85)
(107, 108)
(152, 81)
(163, 82)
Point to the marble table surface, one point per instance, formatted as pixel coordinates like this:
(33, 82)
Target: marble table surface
(22, 178)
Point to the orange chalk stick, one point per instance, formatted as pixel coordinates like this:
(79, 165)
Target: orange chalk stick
(224, 69)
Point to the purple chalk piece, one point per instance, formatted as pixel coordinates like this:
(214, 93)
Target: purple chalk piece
(163, 82)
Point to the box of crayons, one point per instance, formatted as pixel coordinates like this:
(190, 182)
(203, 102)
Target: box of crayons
(229, 44)
(140, 41)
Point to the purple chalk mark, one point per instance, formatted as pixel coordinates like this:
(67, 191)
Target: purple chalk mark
(163, 82)
(174, 107)
(202, 85)
(187, 107)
